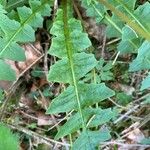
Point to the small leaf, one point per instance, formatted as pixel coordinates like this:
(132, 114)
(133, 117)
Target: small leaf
(99, 117)
(13, 51)
(8, 141)
(123, 98)
(89, 140)
(74, 123)
(145, 141)
(143, 12)
(142, 60)
(129, 46)
(6, 73)
(145, 83)
(91, 9)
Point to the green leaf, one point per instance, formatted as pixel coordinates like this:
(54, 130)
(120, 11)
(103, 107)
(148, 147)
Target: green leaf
(61, 71)
(12, 32)
(145, 141)
(145, 83)
(12, 4)
(6, 73)
(128, 3)
(74, 123)
(147, 100)
(79, 40)
(143, 12)
(114, 29)
(2, 11)
(125, 6)
(102, 116)
(128, 33)
(94, 9)
(129, 46)
(99, 117)
(8, 141)
(13, 51)
(123, 98)
(1, 95)
(89, 140)
(106, 76)
(142, 60)
(89, 94)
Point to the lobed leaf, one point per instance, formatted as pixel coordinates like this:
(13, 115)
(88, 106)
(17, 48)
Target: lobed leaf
(91, 9)
(61, 71)
(12, 32)
(89, 94)
(89, 140)
(79, 40)
(99, 117)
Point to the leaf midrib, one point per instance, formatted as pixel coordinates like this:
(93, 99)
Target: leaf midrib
(69, 49)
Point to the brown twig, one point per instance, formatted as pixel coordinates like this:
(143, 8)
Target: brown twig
(44, 139)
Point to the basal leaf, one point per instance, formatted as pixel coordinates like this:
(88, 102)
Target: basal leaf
(61, 71)
(89, 94)
(6, 73)
(89, 140)
(8, 141)
(130, 41)
(102, 116)
(128, 33)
